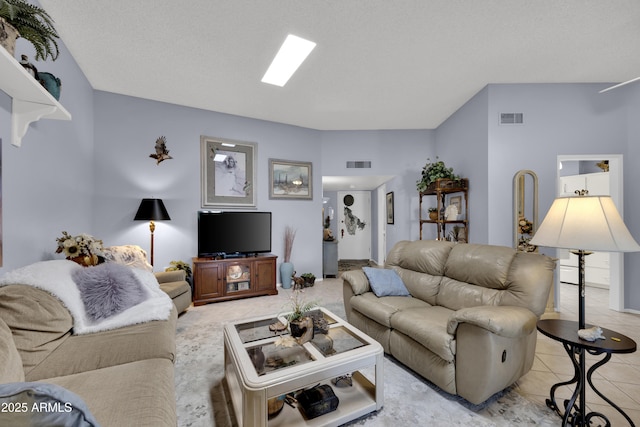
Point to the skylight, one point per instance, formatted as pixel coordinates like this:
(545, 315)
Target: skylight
(291, 55)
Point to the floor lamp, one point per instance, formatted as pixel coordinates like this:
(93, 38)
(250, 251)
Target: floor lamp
(152, 210)
(583, 224)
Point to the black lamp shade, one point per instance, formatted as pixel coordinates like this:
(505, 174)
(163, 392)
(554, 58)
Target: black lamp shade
(152, 210)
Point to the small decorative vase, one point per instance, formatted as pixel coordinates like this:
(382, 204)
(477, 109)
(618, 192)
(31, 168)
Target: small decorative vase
(286, 271)
(8, 36)
(302, 329)
(51, 83)
(85, 260)
(433, 215)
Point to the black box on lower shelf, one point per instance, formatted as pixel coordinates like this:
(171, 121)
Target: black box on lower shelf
(317, 401)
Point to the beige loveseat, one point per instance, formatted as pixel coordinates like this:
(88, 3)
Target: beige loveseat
(469, 324)
(124, 376)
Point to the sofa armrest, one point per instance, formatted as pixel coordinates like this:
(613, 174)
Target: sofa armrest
(506, 321)
(358, 281)
(170, 276)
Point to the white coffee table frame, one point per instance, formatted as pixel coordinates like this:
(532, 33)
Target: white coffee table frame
(250, 391)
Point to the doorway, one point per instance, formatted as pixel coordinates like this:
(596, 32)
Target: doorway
(354, 225)
(604, 269)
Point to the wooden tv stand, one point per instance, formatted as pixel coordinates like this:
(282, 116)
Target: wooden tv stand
(231, 278)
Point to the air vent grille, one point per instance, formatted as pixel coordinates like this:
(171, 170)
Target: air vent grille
(511, 118)
(358, 164)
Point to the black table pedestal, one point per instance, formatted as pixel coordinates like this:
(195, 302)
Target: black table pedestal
(573, 411)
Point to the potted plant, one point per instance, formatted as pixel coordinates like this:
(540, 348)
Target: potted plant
(309, 279)
(286, 268)
(433, 171)
(33, 24)
(433, 214)
(300, 324)
(180, 265)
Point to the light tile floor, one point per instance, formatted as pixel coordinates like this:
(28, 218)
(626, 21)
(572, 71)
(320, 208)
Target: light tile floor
(618, 380)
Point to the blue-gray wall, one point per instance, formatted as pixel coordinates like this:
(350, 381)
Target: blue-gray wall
(125, 133)
(47, 183)
(88, 174)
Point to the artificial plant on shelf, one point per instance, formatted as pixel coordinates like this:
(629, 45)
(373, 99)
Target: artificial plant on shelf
(286, 268)
(34, 24)
(433, 171)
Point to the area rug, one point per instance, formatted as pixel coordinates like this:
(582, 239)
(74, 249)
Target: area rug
(409, 400)
(352, 264)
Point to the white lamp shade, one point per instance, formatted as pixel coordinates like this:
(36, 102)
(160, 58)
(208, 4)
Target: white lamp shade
(590, 223)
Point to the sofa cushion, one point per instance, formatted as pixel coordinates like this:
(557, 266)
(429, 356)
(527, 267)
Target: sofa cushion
(10, 363)
(140, 393)
(80, 353)
(424, 256)
(385, 282)
(428, 326)
(175, 289)
(382, 309)
(108, 289)
(420, 285)
(43, 404)
(131, 255)
(456, 295)
(38, 321)
(482, 265)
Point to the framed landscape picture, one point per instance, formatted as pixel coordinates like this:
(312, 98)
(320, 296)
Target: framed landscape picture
(228, 173)
(290, 180)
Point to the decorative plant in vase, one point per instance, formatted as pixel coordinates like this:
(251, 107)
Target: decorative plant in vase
(33, 24)
(433, 214)
(286, 268)
(300, 324)
(180, 265)
(433, 171)
(83, 249)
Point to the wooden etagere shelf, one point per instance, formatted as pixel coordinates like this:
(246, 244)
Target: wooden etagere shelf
(31, 101)
(444, 190)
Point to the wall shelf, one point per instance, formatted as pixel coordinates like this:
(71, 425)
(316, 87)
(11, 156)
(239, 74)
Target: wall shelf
(31, 101)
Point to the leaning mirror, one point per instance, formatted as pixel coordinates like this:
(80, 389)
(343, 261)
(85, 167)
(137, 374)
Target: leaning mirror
(525, 209)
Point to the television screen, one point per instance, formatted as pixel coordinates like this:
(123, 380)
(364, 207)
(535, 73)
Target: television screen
(233, 233)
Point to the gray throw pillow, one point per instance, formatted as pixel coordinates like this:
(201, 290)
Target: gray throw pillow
(385, 282)
(108, 289)
(42, 404)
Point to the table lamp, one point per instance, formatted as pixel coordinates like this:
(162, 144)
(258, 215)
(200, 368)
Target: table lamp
(583, 224)
(152, 210)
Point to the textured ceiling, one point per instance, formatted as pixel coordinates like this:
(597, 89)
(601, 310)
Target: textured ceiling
(379, 64)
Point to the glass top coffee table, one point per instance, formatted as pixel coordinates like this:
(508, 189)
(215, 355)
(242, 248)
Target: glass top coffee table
(261, 369)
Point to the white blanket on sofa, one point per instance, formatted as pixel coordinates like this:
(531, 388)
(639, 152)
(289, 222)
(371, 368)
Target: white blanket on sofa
(55, 277)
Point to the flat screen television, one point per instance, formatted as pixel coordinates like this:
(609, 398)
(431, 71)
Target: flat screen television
(229, 234)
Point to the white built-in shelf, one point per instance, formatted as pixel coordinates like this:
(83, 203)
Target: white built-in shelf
(31, 101)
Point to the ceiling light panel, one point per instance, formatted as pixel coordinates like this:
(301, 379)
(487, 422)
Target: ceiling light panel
(291, 55)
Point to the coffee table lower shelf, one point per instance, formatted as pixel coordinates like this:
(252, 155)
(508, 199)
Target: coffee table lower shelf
(250, 342)
(355, 401)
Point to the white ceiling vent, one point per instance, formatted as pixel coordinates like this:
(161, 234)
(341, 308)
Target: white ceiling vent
(511, 118)
(358, 164)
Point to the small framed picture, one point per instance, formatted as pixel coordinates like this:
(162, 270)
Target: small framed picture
(457, 202)
(228, 173)
(390, 207)
(290, 180)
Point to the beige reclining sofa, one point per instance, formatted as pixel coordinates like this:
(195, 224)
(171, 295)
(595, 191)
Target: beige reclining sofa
(469, 323)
